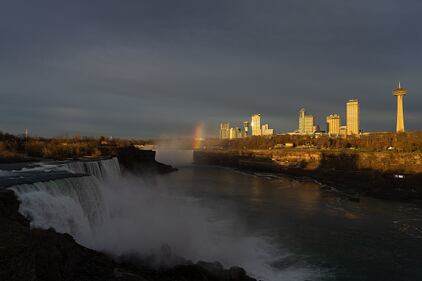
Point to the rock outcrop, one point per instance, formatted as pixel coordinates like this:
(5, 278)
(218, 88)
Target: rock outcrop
(141, 162)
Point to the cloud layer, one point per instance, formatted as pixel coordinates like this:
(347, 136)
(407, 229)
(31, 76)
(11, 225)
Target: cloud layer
(151, 68)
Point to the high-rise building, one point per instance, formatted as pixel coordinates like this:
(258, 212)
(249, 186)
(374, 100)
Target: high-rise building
(266, 131)
(333, 124)
(235, 133)
(352, 117)
(224, 130)
(400, 92)
(306, 123)
(246, 129)
(256, 125)
(302, 114)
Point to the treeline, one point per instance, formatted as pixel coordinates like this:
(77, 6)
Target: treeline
(10, 148)
(404, 142)
(14, 148)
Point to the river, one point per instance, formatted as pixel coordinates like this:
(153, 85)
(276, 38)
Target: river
(315, 233)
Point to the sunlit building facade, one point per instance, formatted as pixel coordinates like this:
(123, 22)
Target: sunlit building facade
(333, 124)
(352, 117)
(235, 133)
(256, 125)
(306, 123)
(266, 131)
(224, 130)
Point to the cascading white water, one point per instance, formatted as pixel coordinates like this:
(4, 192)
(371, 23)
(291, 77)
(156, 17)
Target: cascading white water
(107, 169)
(72, 205)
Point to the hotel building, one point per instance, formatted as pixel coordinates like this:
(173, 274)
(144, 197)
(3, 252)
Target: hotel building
(333, 124)
(306, 123)
(352, 117)
(256, 125)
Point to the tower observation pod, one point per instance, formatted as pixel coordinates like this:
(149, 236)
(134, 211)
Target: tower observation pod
(400, 92)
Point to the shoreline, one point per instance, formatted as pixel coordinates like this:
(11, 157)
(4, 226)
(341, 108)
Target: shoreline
(352, 182)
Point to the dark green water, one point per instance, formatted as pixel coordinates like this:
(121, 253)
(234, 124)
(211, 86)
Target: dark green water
(315, 230)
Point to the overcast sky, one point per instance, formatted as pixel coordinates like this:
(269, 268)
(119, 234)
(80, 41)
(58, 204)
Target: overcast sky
(133, 68)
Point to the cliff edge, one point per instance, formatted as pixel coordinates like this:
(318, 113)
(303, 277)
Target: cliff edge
(141, 162)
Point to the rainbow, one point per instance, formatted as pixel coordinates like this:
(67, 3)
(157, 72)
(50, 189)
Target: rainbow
(198, 136)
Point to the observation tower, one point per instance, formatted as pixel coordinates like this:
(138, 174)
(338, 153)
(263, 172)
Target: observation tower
(400, 92)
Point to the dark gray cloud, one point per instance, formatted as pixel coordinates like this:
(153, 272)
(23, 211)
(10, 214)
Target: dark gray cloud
(152, 68)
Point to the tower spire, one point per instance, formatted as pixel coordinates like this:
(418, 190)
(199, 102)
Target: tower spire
(400, 93)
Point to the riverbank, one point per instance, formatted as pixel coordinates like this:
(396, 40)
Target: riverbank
(385, 175)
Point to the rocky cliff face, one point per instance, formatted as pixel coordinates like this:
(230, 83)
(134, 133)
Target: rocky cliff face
(391, 162)
(389, 175)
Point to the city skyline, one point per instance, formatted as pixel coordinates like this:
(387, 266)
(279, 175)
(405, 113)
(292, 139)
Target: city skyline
(148, 69)
(308, 124)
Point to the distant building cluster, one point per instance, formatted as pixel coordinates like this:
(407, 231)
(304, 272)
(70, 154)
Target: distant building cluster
(309, 126)
(307, 123)
(253, 128)
(334, 127)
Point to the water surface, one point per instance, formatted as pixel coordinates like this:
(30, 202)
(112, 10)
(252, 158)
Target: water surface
(312, 228)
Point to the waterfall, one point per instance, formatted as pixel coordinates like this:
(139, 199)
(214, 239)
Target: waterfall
(72, 205)
(107, 169)
(129, 216)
